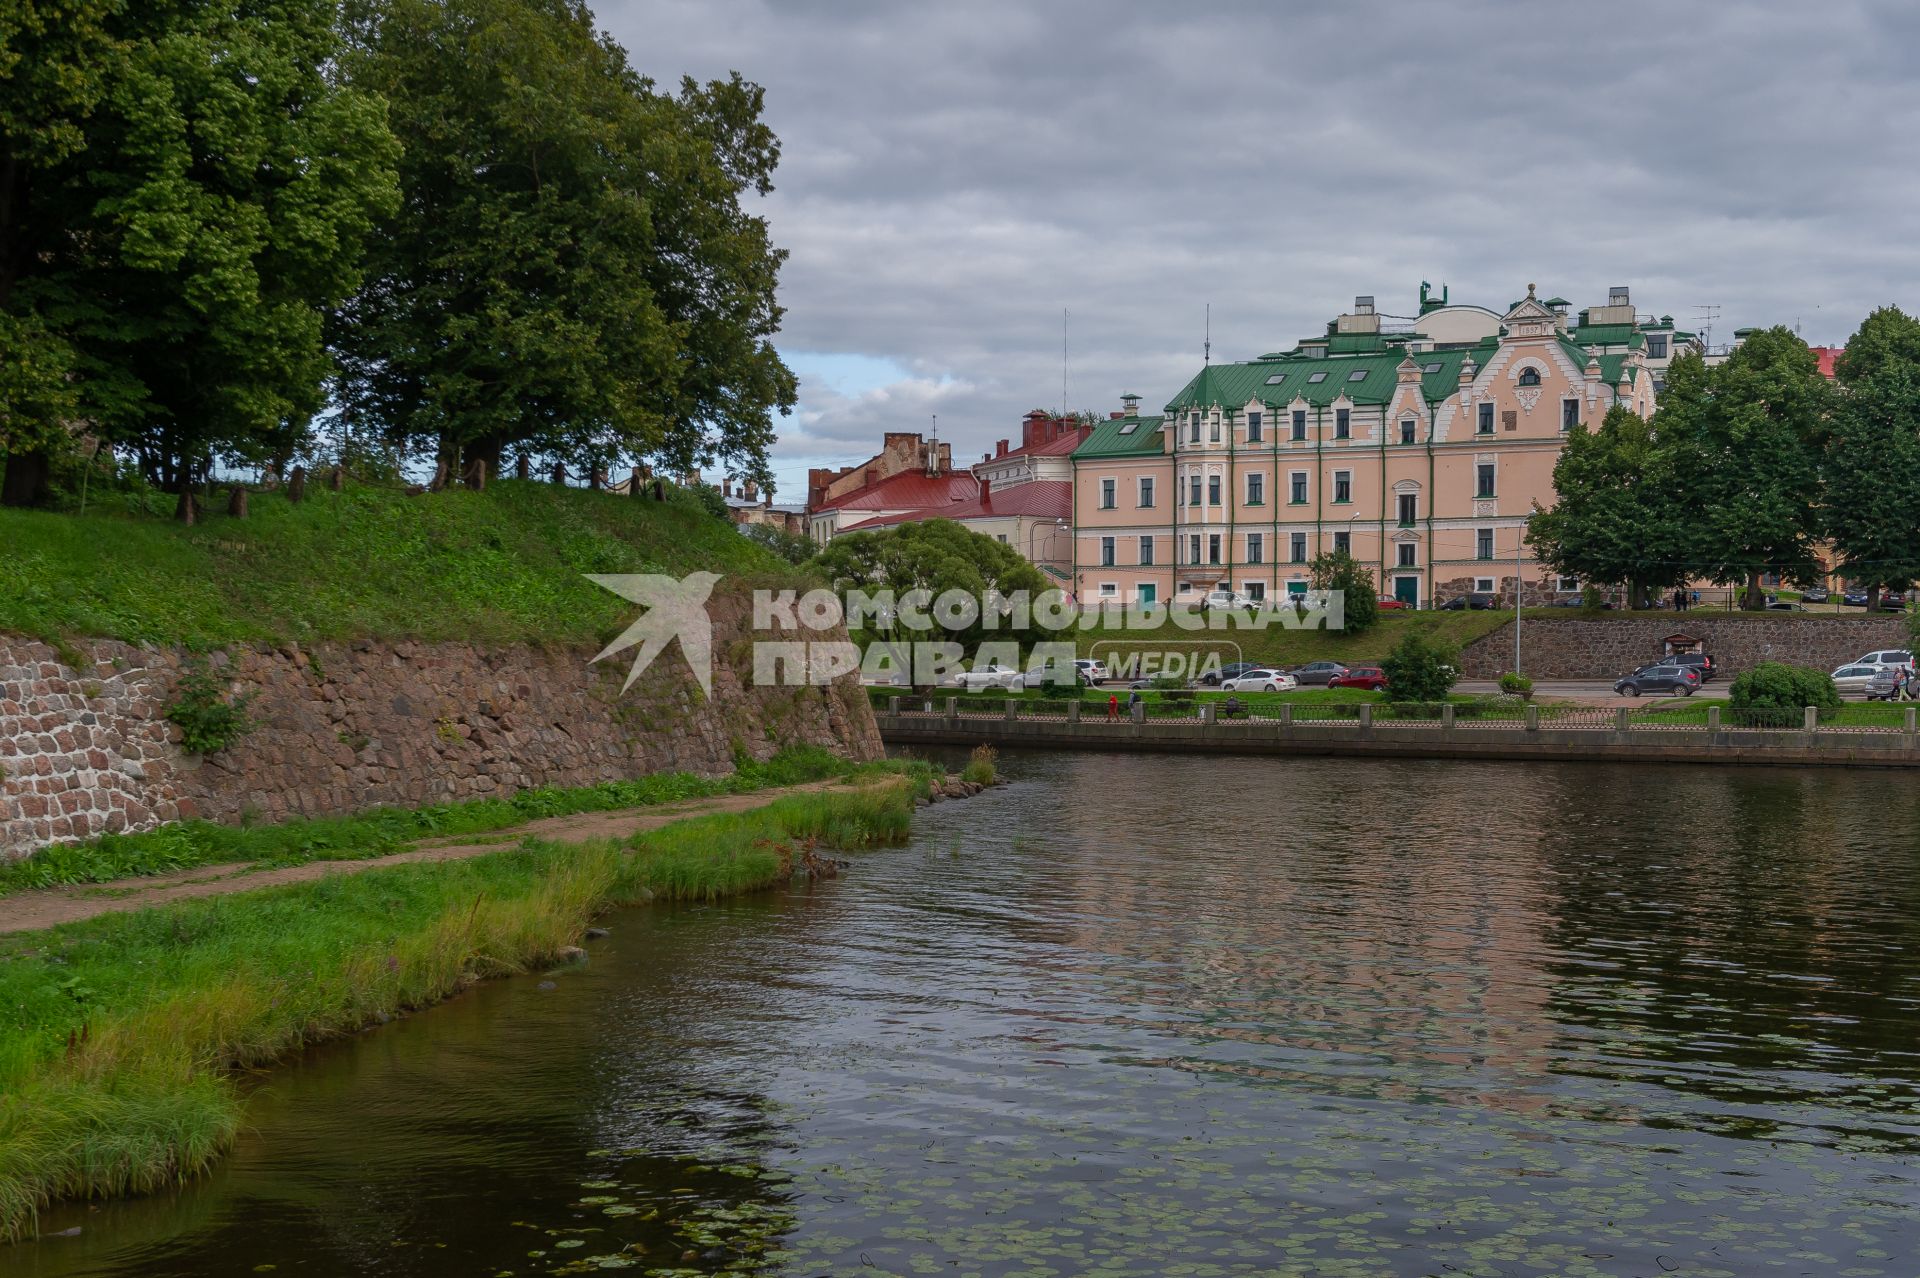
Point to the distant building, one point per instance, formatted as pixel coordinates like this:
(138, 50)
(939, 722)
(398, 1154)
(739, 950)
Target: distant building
(1419, 449)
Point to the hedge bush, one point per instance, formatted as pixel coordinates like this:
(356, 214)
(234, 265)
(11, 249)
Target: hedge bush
(1775, 685)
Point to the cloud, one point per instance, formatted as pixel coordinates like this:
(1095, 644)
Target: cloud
(952, 178)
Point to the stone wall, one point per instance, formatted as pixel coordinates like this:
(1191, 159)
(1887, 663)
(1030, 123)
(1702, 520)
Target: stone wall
(340, 728)
(1606, 647)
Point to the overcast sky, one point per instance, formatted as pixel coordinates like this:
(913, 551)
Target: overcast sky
(953, 177)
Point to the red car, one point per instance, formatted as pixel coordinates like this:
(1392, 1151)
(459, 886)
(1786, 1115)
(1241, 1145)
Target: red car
(1390, 601)
(1372, 678)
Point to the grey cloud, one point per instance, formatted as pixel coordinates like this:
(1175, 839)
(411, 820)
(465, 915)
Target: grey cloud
(953, 176)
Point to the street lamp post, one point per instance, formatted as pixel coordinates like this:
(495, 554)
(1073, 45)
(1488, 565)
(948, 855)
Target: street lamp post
(1033, 556)
(1519, 541)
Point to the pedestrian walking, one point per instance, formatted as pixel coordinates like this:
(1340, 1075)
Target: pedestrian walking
(1113, 706)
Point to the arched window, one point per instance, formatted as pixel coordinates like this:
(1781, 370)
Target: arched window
(1529, 377)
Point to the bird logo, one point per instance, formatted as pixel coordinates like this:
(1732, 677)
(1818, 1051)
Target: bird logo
(676, 608)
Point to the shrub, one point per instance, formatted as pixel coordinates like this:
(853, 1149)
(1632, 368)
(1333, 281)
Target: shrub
(207, 720)
(1518, 684)
(791, 547)
(1592, 602)
(1421, 668)
(981, 769)
(1775, 685)
(1337, 570)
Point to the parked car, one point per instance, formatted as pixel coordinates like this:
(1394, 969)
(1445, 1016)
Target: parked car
(1390, 601)
(1661, 677)
(1817, 595)
(1213, 678)
(1893, 601)
(1884, 657)
(1092, 669)
(1884, 684)
(1701, 662)
(1372, 678)
(1045, 675)
(1476, 602)
(1229, 599)
(1259, 680)
(1854, 599)
(1784, 605)
(1318, 672)
(1855, 678)
(992, 677)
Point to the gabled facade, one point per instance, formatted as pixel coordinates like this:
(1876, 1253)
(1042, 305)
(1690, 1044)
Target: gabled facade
(1419, 456)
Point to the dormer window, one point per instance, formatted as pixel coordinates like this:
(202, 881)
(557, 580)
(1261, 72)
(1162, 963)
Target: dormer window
(1357, 375)
(1529, 376)
(1320, 376)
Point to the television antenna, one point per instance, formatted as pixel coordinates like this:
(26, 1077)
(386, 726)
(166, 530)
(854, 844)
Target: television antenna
(1706, 315)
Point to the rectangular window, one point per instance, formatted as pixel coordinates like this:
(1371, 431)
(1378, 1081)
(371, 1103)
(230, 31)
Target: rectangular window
(1213, 548)
(1299, 424)
(1483, 480)
(1486, 419)
(1109, 590)
(1297, 547)
(1256, 548)
(1409, 509)
(1193, 428)
(1297, 492)
(1256, 489)
(1567, 585)
(1255, 590)
(1483, 543)
(1407, 550)
(1656, 346)
(1343, 543)
(1146, 550)
(1484, 585)
(1107, 498)
(1407, 428)
(1193, 490)
(1193, 549)
(1342, 486)
(1213, 490)
(1146, 491)
(1213, 429)
(1106, 552)
(1253, 428)
(1342, 422)
(1569, 414)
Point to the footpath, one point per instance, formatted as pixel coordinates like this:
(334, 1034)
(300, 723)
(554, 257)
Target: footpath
(50, 907)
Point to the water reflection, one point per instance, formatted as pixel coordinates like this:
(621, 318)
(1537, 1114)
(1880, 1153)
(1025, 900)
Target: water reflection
(1137, 1014)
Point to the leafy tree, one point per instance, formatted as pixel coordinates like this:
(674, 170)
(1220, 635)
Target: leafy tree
(571, 271)
(1873, 457)
(184, 187)
(1777, 686)
(1618, 518)
(791, 547)
(937, 555)
(1337, 570)
(1744, 442)
(1421, 667)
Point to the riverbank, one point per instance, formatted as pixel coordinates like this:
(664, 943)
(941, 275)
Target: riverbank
(1571, 734)
(123, 1029)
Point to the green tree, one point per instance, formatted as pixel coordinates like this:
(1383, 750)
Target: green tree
(1421, 667)
(1872, 465)
(1618, 519)
(1744, 442)
(935, 556)
(791, 547)
(1337, 570)
(571, 270)
(184, 187)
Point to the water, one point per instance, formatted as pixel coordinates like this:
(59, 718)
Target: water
(1146, 1015)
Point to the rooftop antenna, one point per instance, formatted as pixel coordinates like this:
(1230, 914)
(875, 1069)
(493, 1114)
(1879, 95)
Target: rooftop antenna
(1206, 347)
(933, 447)
(1708, 312)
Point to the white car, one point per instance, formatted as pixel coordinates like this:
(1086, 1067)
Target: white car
(1260, 681)
(1854, 678)
(1092, 669)
(1886, 658)
(992, 677)
(1230, 599)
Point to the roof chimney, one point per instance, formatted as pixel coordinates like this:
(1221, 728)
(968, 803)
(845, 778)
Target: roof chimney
(986, 494)
(1130, 405)
(1000, 448)
(726, 487)
(750, 491)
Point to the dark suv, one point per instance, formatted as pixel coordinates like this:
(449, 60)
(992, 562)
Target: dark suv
(1700, 661)
(1661, 677)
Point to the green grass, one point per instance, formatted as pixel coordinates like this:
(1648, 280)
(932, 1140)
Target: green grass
(496, 567)
(1851, 714)
(121, 1031)
(383, 831)
(1277, 645)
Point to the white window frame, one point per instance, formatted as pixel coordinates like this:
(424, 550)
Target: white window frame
(1343, 542)
(1342, 477)
(1298, 428)
(1297, 482)
(1143, 494)
(1213, 549)
(1109, 590)
(1145, 551)
(1409, 430)
(1297, 548)
(1407, 556)
(1566, 585)
(1493, 487)
(1256, 426)
(1109, 552)
(1259, 478)
(1483, 418)
(1493, 545)
(1193, 548)
(1485, 585)
(1254, 589)
(1256, 548)
(1109, 492)
(1565, 401)
(1343, 423)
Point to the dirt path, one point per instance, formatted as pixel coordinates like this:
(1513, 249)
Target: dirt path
(50, 907)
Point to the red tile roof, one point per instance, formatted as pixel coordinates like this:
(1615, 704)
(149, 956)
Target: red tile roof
(1042, 499)
(1827, 355)
(909, 490)
(1053, 448)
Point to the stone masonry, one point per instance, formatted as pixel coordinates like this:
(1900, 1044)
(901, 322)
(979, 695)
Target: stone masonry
(344, 727)
(1606, 647)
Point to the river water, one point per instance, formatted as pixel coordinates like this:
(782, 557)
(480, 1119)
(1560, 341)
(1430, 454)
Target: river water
(1159, 1015)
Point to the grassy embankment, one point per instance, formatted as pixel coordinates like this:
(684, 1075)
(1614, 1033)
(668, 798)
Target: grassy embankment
(121, 1031)
(1278, 645)
(503, 566)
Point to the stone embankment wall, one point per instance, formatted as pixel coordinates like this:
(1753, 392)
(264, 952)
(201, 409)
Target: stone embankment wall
(1607, 647)
(341, 728)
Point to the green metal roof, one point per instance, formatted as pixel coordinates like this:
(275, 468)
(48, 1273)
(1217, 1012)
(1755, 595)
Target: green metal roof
(1601, 334)
(1123, 437)
(1236, 385)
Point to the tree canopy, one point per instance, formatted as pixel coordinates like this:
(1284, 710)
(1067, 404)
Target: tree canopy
(1872, 473)
(1619, 517)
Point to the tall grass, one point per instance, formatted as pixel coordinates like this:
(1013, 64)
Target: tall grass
(120, 1031)
(383, 831)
